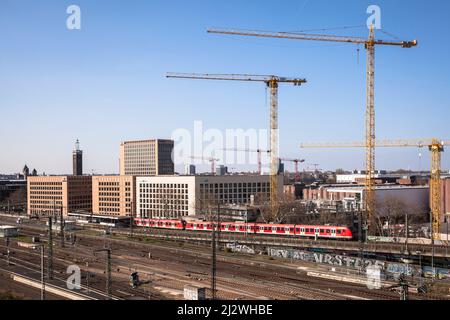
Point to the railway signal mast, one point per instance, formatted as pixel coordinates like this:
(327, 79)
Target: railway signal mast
(369, 44)
(272, 83)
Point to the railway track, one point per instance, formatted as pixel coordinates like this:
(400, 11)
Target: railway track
(237, 277)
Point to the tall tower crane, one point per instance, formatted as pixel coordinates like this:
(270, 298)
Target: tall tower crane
(369, 44)
(272, 83)
(258, 151)
(296, 162)
(211, 159)
(435, 146)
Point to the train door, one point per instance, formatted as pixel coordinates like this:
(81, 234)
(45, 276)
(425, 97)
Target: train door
(316, 233)
(302, 232)
(333, 233)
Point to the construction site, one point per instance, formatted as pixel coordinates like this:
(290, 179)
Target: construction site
(279, 228)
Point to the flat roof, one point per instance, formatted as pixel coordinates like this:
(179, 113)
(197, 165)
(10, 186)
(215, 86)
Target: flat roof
(87, 215)
(7, 227)
(391, 187)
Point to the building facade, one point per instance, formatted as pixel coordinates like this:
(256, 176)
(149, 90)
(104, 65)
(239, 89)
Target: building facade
(146, 158)
(49, 194)
(113, 195)
(173, 197)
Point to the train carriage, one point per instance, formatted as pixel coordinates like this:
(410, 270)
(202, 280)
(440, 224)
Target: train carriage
(287, 230)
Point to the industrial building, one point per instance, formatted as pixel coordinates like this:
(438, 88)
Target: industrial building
(180, 196)
(47, 194)
(146, 158)
(113, 195)
(351, 197)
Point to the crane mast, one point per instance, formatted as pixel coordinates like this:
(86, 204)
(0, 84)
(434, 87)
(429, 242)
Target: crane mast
(369, 199)
(274, 158)
(369, 44)
(272, 83)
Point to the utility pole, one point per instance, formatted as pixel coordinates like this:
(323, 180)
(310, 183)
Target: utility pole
(8, 241)
(42, 274)
(407, 233)
(50, 250)
(108, 270)
(62, 226)
(214, 257)
(432, 243)
(131, 219)
(87, 277)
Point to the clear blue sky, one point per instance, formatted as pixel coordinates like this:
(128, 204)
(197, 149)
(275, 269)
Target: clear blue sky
(105, 83)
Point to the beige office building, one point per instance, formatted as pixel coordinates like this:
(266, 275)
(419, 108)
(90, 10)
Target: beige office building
(173, 197)
(113, 195)
(47, 194)
(146, 158)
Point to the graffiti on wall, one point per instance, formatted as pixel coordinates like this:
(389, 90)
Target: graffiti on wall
(236, 247)
(344, 261)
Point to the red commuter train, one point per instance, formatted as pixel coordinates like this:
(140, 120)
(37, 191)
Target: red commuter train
(304, 231)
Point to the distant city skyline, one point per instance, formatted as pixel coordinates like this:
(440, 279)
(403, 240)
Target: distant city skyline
(105, 83)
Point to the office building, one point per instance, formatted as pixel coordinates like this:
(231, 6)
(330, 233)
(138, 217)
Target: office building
(146, 158)
(113, 195)
(49, 194)
(174, 197)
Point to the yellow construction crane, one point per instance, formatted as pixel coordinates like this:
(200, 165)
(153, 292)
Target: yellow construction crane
(435, 146)
(369, 44)
(272, 82)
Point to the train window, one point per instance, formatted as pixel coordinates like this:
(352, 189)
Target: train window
(322, 230)
(339, 231)
(328, 231)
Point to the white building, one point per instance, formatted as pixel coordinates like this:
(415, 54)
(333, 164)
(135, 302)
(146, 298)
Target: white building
(167, 197)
